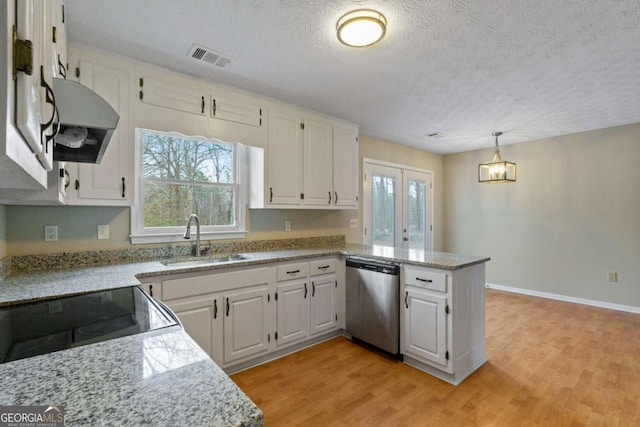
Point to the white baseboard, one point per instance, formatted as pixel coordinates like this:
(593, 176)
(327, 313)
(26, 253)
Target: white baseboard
(594, 303)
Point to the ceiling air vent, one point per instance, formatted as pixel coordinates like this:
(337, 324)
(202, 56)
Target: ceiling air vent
(207, 55)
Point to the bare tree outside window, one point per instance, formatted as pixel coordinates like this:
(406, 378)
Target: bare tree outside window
(187, 175)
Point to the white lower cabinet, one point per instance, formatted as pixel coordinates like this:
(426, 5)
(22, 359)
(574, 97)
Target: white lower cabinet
(247, 323)
(442, 328)
(292, 312)
(425, 334)
(322, 314)
(199, 317)
(245, 314)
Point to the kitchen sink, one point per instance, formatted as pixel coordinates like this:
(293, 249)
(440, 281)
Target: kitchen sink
(206, 261)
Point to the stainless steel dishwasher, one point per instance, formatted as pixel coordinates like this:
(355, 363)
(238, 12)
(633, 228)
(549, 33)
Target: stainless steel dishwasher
(373, 301)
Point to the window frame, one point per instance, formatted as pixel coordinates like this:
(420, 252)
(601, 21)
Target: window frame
(143, 235)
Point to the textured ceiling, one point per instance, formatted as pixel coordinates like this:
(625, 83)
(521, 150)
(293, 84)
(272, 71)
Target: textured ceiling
(465, 68)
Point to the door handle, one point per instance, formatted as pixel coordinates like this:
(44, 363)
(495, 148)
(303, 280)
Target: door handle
(215, 308)
(329, 197)
(406, 299)
(305, 290)
(313, 289)
(227, 307)
(336, 198)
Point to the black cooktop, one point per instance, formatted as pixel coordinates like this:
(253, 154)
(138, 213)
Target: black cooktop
(42, 327)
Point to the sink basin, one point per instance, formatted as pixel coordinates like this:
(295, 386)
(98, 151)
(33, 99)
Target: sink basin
(206, 261)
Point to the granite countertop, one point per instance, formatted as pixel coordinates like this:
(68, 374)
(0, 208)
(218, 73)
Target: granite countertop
(155, 378)
(26, 286)
(159, 377)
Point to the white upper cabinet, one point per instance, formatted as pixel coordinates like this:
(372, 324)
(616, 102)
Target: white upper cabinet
(236, 108)
(169, 94)
(345, 166)
(26, 112)
(284, 158)
(318, 163)
(108, 183)
(311, 163)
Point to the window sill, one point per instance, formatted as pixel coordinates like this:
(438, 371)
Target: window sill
(140, 239)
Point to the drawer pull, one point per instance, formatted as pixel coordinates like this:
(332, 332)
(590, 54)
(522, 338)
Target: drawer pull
(424, 280)
(293, 272)
(324, 267)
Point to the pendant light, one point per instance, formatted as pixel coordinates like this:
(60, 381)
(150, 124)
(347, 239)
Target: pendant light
(361, 28)
(497, 170)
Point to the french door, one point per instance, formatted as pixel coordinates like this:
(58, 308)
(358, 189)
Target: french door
(397, 206)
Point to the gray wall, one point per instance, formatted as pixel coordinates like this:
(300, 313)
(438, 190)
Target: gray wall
(3, 228)
(572, 216)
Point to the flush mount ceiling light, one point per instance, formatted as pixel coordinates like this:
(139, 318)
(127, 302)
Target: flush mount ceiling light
(497, 170)
(361, 28)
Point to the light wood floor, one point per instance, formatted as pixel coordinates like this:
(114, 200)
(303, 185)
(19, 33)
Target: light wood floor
(550, 363)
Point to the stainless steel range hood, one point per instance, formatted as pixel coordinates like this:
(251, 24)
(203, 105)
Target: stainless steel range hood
(87, 123)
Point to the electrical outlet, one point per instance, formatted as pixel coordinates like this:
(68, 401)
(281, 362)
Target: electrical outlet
(354, 223)
(50, 233)
(613, 276)
(287, 226)
(103, 232)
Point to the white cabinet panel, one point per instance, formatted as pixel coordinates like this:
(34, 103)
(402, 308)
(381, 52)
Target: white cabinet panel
(345, 166)
(322, 305)
(425, 332)
(171, 95)
(318, 163)
(109, 182)
(246, 323)
(284, 158)
(292, 312)
(201, 318)
(29, 27)
(230, 107)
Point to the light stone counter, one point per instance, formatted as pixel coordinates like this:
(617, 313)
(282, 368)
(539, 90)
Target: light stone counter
(25, 286)
(155, 378)
(158, 378)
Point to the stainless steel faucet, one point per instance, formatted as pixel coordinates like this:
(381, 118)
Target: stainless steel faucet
(187, 233)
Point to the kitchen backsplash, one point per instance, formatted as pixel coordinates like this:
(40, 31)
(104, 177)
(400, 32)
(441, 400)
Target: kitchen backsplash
(117, 256)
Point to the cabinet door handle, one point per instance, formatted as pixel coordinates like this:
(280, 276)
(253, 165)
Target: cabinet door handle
(336, 198)
(313, 289)
(293, 272)
(203, 105)
(323, 267)
(406, 299)
(227, 307)
(124, 188)
(68, 178)
(150, 290)
(61, 68)
(215, 308)
(424, 280)
(305, 290)
(270, 194)
(214, 107)
(329, 197)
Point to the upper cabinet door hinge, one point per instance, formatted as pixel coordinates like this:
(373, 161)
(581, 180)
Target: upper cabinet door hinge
(302, 126)
(22, 55)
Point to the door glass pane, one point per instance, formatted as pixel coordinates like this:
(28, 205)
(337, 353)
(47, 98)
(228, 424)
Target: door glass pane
(417, 215)
(383, 212)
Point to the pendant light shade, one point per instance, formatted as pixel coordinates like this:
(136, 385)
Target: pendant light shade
(497, 170)
(361, 28)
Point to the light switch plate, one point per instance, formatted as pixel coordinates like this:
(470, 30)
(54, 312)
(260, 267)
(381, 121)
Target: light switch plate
(50, 233)
(103, 232)
(287, 226)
